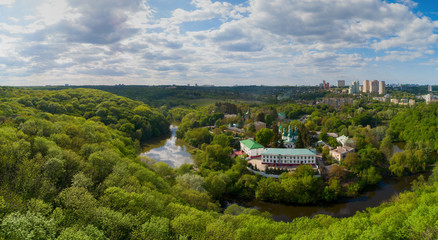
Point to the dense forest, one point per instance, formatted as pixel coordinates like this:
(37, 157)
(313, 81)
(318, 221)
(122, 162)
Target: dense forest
(173, 96)
(70, 169)
(419, 124)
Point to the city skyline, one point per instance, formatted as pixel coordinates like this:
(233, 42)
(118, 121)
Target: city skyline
(224, 43)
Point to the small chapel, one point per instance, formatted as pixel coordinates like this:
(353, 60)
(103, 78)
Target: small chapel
(289, 137)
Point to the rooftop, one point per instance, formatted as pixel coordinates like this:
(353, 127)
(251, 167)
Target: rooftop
(342, 150)
(288, 151)
(251, 144)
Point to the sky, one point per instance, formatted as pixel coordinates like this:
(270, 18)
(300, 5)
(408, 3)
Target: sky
(224, 43)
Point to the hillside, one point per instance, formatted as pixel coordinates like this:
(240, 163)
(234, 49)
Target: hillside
(69, 170)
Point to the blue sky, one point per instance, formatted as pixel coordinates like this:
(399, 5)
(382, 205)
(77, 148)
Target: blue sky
(276, 42)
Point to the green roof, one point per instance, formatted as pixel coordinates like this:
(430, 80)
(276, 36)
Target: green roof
(251, 144)
(288, 151)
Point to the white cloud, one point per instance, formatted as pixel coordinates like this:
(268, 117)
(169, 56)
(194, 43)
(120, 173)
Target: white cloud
(335, 21)
(408, 3)
(9, 3)
(278, 40)
(206, 10)
(53, 11)
(402, 56)
(417, 33)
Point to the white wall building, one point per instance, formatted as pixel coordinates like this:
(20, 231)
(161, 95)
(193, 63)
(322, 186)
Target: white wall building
(340, 152)
(382, 87)
(285, 157)
(366, 86)
(252, 148)
(342, 140)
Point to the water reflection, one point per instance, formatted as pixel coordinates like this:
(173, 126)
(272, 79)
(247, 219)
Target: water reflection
(168, 150)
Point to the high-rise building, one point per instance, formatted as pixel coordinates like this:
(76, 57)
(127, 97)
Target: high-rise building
(366, 86)
(430, 89)
(341, 83)
(354, 88)
(382, 87)
(325, 85)
(374, 86)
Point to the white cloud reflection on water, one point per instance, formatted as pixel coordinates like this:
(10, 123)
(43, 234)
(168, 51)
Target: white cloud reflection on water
(170, 153)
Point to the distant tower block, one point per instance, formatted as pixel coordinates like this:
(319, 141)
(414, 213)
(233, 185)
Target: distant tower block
(341, 83)
(430, 89)
(366, 86)
(374, 86)
(382, 87)
(354, 88)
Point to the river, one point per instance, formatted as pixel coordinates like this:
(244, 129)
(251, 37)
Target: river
(174, 152)
(168, 149)
(373, 197)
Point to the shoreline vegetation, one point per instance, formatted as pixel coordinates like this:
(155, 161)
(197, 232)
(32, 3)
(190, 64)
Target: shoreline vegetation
(70, 167)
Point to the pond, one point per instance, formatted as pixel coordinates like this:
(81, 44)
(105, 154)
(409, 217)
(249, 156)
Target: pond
(169, 150)
(375, 196)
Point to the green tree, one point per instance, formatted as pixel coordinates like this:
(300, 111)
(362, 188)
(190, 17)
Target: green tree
(264, 136)
(196, 137)
(337, 172)
(54, 168)
(371, 176)
(103, 162)
(87, 233)
(268, 120)
(78, 202)
(332, 191)
(276, 138)
(81, 180)
(222, 139)
(156, 228)
(351, 160)
(192, 181)
(397, 163)
(220, 229)
(192, 225)
(386, 146)
(303, 137)
(27, 226)
(214, 157)
(269, 190)
(217, 184)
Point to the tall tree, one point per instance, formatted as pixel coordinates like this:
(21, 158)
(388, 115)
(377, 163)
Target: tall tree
(264, 136)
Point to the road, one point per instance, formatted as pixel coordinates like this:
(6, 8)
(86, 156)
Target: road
(323, 169)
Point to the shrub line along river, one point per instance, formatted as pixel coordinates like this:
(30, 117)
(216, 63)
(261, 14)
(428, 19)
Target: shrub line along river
(174, 152)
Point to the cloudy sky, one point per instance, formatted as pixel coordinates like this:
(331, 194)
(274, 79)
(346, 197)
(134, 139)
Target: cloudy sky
(275, 42)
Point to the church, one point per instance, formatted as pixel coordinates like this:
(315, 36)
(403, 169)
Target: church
(289, 137)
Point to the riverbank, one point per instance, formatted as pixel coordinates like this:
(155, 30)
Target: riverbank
(346, 207)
